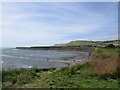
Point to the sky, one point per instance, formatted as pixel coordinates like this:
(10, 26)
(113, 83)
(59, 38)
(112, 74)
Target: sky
(59, 0)
(49, 23)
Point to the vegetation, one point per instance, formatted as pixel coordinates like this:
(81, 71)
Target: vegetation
(16, 78)
(80, 76)
(103, 53)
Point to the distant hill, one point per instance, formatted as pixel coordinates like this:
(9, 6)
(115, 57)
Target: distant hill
(90, 43)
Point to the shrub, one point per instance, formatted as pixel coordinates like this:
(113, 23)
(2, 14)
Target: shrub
(110, 46)
(72, 70)
(23, 79)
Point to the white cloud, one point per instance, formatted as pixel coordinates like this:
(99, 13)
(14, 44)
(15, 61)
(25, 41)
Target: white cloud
(22, 27)
(108, 37)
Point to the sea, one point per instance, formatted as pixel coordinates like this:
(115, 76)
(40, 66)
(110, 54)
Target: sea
(12, 58)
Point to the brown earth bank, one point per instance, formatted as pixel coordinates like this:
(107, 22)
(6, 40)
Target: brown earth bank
(106, 66)
(105, 61)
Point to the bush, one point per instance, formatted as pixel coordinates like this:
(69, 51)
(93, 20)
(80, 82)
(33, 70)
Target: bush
(23, 79)
(110, 46)
(72, 70)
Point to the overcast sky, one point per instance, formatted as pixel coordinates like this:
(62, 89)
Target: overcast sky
(29, 24)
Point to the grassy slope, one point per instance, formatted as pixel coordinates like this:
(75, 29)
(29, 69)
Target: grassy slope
(76, 43)
(93, 74)
(88, 43)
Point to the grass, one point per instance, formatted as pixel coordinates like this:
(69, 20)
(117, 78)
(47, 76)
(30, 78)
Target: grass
(101, 72)
(80, 76)
(104, 53)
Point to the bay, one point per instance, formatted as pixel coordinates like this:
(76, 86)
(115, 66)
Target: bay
(21, 58)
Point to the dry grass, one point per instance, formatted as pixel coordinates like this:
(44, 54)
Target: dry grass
(106, 66)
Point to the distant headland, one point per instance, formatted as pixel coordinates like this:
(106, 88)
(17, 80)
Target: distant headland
(76, 45)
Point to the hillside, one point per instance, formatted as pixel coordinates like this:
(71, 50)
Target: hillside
(90, 43)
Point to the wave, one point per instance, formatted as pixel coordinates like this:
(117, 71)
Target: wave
(1, 62)
(23, 58)
(15, 57)
(15, 49)
(34, 58)
(7, 56)
(24, 66)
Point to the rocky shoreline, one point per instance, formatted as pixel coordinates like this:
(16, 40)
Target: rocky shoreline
(80, 58)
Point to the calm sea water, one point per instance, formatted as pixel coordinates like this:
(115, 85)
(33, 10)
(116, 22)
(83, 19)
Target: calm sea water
(19, 58)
